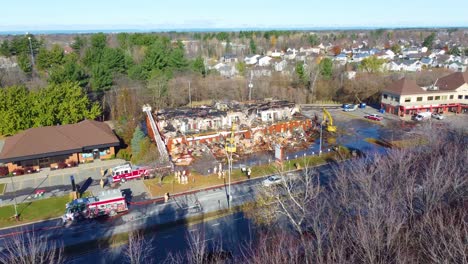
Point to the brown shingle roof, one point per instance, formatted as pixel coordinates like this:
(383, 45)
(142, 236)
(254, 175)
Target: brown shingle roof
(56, 140)
(452, 81)
(404, 87)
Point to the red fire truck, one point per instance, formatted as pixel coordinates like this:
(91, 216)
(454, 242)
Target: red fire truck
(109, 202)
(126, 172)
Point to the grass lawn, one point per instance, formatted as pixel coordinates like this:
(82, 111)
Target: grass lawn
(2, 188)
(35, 210)
(197, 181)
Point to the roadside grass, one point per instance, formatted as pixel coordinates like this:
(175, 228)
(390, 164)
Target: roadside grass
(409, 143)
(2, 188)
(197, 181)
(35, 210)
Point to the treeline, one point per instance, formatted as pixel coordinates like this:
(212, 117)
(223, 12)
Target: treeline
(55, 104)
(94, 64)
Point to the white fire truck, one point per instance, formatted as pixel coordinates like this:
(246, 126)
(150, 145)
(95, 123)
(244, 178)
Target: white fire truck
(109, 202)
(126, 172)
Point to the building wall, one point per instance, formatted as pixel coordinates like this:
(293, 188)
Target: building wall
(432, 101)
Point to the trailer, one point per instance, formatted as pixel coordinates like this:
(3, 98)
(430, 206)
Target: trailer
(107, 203)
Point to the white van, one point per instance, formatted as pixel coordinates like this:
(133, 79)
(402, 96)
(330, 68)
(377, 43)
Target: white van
(423, 116)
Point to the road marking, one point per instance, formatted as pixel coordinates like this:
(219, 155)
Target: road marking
(193, 230)
(168, 236)
(217, 224)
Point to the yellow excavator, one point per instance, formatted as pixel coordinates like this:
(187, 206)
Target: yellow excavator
(328, 120)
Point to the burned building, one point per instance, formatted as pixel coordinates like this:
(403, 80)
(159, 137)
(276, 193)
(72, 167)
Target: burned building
(257, 123)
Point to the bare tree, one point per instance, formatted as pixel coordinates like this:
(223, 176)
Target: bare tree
(30, 248)
(139, 248)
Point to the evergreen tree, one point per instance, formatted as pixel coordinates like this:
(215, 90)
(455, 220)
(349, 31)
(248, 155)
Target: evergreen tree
(138, 137)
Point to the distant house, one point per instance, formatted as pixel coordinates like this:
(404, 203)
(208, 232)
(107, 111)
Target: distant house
(415, 56)
(427, 61)
(387, 55)
(360, 56)
(341, 58)
(456, 66)
(251, 59)
(276, 54)
(405, 65)
(228, 58)
(411, 50)
(261, 71)
(228, 71)
(309, 50)
(264, 61)
(281, 66)
(290, 54)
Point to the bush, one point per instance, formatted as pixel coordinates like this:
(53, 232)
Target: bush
(62, 165)
(124, 154)
(4, 171)
(72, 164)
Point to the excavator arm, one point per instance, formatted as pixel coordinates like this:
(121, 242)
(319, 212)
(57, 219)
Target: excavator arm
(327, 118)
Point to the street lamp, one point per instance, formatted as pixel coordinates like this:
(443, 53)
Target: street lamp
(14, 197)
(31, 49)
(320, 142)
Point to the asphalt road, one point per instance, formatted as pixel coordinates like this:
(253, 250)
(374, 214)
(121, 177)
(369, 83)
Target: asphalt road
(147, 215)
(226, 233)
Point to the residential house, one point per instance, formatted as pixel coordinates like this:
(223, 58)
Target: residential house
(261, 71)
(341, 58)
(386, 54)
(405, 65)
(427, 62)
(456, 66)
(228, 71)
(228, 58)
(251, 59)
(408, 51)
(275, 54)
(309, 50)
(281, 66)
(360, 56)
(264, 61)
(290, 54)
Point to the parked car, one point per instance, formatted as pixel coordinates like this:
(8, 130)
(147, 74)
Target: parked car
(438, 116)
(423, 116)
(374, 117)
(272, 180)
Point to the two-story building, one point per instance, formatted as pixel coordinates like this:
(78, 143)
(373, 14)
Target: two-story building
(405, 97)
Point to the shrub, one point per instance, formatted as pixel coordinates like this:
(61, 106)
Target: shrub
(18, 172)
(3, 171)
(124, 154)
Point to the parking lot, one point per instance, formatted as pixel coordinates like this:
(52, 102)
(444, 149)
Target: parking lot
(57, 182)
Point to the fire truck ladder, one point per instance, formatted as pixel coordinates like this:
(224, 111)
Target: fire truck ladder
(157, 136)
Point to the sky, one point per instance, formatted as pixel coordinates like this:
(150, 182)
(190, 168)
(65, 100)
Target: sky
(30, 15)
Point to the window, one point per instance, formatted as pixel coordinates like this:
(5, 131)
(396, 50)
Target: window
(430, 98)
(407, 99)
(419, 99)
(466, 97)
(437, 97)
(460, 97)
(385, 96)
(444, 97)
(397, 99)
(451, 96)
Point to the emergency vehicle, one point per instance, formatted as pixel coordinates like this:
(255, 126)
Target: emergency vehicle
(126, 172)
(109, 202)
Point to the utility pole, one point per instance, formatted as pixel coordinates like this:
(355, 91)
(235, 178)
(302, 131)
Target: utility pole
(190, 94)
(32, 54)
(14, 197)
(250, 86)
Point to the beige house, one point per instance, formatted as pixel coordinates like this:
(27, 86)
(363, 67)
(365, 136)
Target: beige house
(405, 97)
